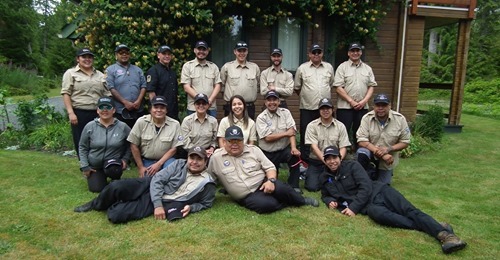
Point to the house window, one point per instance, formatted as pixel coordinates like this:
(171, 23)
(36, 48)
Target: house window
(223, 41)
(289, 39)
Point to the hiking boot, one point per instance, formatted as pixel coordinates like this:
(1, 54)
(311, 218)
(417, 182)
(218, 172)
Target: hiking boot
(85, 207)
(447, 227)
(311, 202)
(450, 242)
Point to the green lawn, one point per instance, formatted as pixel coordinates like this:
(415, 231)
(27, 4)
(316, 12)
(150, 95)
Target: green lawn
(457, 182)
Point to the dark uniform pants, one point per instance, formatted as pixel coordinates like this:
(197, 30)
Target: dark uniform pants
(351, 118)
(391, 208)
(83, 117)
(306, 116)
(312, 182)
(285, 156)
(99, 179)
(284, 195)
(125, 200)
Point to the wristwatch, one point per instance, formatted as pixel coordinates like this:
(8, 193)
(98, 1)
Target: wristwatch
(273, 180)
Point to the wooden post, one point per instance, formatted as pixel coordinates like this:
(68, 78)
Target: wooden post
(457, 93)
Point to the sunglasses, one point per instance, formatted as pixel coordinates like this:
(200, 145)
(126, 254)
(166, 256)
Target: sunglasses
(316, 52)
(235, 141)
(105, 107)
(124, 53)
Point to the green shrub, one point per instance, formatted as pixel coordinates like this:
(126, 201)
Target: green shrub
(430, 125)
(38, 112)
(51, 137)
(19, 82)
(418, 144)
(482, 92)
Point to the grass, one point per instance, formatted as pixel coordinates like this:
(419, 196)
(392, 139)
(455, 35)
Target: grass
(457, 183)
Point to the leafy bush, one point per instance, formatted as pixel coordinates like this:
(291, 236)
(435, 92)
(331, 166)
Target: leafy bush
(50, 137)
(32, 114)
(430, 124)
(417, 145)
(18, 82)
(482, 92)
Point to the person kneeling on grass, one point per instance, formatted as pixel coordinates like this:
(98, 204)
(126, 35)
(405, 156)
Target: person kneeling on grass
(183, 187)
(250, 178)
(347, 188)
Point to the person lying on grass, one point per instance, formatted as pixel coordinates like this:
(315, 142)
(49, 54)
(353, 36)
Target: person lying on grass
(250, 178)
(347, 188)
(183, 187)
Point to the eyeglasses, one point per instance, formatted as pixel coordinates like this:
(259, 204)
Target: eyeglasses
(124, 53)
(235, 141)
(105, 107)
(316, 52)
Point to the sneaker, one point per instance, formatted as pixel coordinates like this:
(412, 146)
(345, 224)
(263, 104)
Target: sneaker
(311, 202)
(85, 207)
(450, 242)
(447, 227)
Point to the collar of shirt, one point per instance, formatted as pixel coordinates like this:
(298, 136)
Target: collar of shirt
(77, 67)
(352, 64)
(389, 117)
(126, 67)
(327, 125)
(311, 64)
(278, 71)
(149, 119)
(198, 119)
(197, 63)
(236, 120)
(271, 114)
(238, 65)
(246, 149)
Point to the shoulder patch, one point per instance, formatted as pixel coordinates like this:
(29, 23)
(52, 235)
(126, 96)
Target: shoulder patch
(148, 78)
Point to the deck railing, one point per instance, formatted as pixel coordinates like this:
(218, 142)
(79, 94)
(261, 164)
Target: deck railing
(468, 4)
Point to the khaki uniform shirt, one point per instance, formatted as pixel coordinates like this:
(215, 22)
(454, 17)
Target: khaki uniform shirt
(240, 175)
(282, 80)
(323, 135)
(84, 90)
(240, 80)
(249, 132)
(394, 131)
(355, 79)
(191, 184)
(314, 83)
(201, 77)
(198, 133)
(271, 123)
(154, 145)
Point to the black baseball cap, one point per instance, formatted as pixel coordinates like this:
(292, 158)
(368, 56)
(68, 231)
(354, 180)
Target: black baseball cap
(199, 151)
(241, 45)
(331, 150)
(105, 101)
(277, 51)
(381, 98)
(315, 47)
(121, 47)
(159, 100)
(325, 102)
(173, 210)
(84, 51)
(202, 44)
(201, 96)
(164, 48)
(234, 133)
(272, 93)
(355, 45)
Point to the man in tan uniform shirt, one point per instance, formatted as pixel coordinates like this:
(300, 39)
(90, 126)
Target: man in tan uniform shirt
(354, 83)
(240, 77)
(250, 178)
(201, 76)
(313, 82)
(322, 132)
(277, 78)
(381, 135)
(276, 129)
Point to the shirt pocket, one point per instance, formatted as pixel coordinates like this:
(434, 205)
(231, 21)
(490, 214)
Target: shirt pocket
(229, 174)
(349, 77)
(196, 79)
(234, 79)
(146, 140)
(250, 168)
(325, 78)
(166, 141)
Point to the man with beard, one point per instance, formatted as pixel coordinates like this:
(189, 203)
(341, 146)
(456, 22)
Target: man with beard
(354, 83)
(320, 133)
(383, 133)
(240, 77)
(201, 76)
(313, 82)
(345, 186)
(250, 178)
(154, 138)
(276, 129)
(182, 188)
(276, 78)
(127, 85)
(162, 81)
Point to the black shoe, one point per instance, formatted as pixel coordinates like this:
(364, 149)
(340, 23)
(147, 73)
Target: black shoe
(311, 202)
(85, 207)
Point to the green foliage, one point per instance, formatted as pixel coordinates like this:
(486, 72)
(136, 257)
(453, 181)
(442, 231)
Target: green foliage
(439, 67)
(483, 92)
(50, 137)
(418, 145)
(18, 82)
(32, 114)
(430, 124)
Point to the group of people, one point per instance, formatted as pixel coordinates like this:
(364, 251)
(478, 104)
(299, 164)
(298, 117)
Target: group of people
(179, 163)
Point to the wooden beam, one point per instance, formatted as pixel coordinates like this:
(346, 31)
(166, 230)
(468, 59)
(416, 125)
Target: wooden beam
(457, 92)
(418, 7)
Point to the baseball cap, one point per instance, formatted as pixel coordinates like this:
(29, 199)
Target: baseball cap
(331, 150)
(272, 93)
(199, 151)
(83, 51)
(241, 45)
(105, 101)
(173, 210)
(276, 51)
(355, 45)
(164, 48)
(381, 98)
(325, 102)
(233, 133)
(158, 100)
(201, 96)
(121, 47)
(316, 47)
(127, 114)
(201, 44)
(113, 168)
